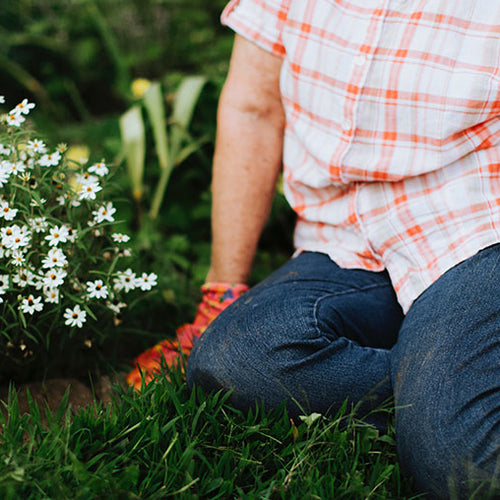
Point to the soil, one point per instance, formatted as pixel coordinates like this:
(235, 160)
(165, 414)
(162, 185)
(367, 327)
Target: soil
(49, 393)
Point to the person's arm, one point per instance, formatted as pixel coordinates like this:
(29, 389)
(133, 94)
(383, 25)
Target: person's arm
(247, 160)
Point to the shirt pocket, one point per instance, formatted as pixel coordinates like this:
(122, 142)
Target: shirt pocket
(471, 96)
(470, 100)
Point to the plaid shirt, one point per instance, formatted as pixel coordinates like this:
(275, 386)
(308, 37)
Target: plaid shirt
(392, 144)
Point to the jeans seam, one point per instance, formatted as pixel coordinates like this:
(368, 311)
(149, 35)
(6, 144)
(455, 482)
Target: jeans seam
(339, 294)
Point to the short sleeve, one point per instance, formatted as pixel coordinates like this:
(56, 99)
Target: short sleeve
(260, 21)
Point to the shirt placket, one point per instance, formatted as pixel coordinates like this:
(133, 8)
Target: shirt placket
(359, 72)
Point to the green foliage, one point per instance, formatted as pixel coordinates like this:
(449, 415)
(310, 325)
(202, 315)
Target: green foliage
(77, 59)
(169, 442)
(172, 140)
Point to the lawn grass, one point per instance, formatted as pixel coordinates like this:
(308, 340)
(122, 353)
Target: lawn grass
(170, 442)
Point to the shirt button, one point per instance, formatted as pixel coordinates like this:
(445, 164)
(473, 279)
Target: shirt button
(346, 125)
(359, 60)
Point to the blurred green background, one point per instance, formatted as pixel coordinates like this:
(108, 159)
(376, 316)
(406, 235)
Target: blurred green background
(85, 63)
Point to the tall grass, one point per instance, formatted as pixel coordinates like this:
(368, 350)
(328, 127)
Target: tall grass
(170, 442)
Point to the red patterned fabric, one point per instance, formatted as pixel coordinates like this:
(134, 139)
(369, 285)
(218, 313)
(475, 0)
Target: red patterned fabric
(216, 297)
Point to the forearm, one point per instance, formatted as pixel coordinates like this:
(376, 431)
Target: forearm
(246, 166)
(247, 163)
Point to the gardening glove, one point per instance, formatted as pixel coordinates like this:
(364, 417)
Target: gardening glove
(216, 297)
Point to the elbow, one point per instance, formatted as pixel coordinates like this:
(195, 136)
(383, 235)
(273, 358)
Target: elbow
(254, 106)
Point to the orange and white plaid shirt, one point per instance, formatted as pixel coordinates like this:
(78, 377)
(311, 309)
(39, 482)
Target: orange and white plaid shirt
(392, 144)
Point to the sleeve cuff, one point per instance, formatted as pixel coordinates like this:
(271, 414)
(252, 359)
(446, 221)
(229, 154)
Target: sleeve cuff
(259, 21)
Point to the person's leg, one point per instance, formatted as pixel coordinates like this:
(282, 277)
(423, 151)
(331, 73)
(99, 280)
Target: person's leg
(446, 374)
(311, 334)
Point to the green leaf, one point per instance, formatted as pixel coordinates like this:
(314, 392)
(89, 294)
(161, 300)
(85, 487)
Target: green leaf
(134, 148)
(185, 101)
(155, 107)
(186, 98)
(310, 419)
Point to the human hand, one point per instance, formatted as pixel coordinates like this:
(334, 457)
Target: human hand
(216, 297)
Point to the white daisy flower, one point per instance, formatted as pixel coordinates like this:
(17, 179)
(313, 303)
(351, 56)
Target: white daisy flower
(54, 278)
(17, 168)
(38, 224)
(14, 237)
(97, 290)
(36, 146)
(57, 234)
(14, 119)
(6, 233)
(147, 281)
(125, 281)
(5, 150)
(18, 258)
(54, 258)
(26, 176)
(75, 317)
(23, 107)
(51, 295)
(31, 304)
(6, 212)
(50, 159)
(20, 278)
(88, 191)
(120, 237)
(99, 169)
(85, 179)
(2, 99)
(104, 213)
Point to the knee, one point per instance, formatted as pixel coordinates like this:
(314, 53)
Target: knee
(243, 351)
(229, 357)
(212, 362)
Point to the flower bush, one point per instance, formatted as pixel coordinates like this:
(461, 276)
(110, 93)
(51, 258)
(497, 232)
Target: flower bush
(64, 270)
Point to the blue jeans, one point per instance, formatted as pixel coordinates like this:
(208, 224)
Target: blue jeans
(314, 335)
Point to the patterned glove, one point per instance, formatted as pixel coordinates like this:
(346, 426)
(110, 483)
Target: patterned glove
(216, 297)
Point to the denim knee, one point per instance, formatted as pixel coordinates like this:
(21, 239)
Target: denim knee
(311, 334)
(239, 352)
(269, 348)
